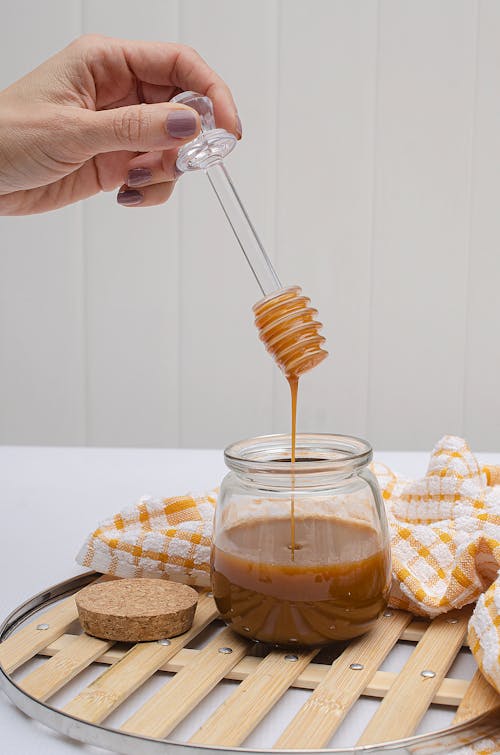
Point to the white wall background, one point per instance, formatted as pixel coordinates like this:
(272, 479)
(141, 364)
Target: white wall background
(371, 167)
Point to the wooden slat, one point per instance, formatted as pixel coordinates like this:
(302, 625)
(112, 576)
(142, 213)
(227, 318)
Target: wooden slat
(450, 692)
(413, 633)
(327, 707)
(162, 712)
(47, 679)
(411, 694)
(238, 716)
(106, 693)
(26, 643)
(479, 698)
(416, 630)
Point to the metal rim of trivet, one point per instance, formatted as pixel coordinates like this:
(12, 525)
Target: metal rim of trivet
(440, 741)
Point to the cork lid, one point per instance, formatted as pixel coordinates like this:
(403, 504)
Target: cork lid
(135, 610)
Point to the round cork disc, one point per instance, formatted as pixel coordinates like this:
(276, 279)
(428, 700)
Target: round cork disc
(136, 610)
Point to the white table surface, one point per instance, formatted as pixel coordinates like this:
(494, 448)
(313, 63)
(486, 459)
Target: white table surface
(50, 498)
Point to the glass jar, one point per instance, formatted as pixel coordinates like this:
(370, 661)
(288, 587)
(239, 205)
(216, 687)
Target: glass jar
(301, 553)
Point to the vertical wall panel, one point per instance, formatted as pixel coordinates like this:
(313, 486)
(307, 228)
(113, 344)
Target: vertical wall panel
(423, 150)
(370, 166)
(482, 356)
(225, 375)
(324, 197)
(132, 282)
(41, 326)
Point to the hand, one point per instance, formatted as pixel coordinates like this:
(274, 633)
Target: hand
(96, 116)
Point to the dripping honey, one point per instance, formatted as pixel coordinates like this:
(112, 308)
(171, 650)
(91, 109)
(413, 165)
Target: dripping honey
(294, 389)
(291, 334)
(307, 579)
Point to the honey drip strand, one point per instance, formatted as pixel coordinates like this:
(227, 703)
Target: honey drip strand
(290, 333)
(294, 388)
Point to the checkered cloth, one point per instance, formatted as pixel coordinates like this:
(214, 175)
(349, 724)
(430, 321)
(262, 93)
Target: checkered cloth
(445, 530)
(158, 537)
(445, 537)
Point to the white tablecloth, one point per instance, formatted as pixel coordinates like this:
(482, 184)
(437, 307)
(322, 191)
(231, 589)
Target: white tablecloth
(51, 497)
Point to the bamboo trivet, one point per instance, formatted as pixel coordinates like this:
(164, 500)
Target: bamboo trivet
(336, 687)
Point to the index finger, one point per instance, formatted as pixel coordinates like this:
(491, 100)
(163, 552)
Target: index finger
(166, 63)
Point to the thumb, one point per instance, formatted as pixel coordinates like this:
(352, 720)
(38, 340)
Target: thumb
(139, 128)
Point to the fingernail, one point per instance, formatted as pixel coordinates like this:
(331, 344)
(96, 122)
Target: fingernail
(139, 176)
(129, 197)
(181, 124)
(239, 127)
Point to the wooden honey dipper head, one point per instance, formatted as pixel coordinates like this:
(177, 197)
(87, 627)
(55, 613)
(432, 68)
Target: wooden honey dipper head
(289, 330)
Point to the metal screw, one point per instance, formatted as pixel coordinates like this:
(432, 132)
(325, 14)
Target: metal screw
(356, 666)
(225, 651)
(387, 614)
(164, 642)
(210, 595)
(42, 627)
(428, 674)
(291, 657)
(452, 621)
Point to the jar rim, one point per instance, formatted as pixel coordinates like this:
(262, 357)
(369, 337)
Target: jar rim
(315, 453)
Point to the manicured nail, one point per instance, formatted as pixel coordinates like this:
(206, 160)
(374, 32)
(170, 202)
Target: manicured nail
(139, 176)
(129, 197)
(181, 123)
(239, 127)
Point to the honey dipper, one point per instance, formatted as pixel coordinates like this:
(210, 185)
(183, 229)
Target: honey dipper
(285, 321)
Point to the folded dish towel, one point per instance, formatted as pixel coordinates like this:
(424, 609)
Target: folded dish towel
(445, 541)
(157, 537)
(445, 531)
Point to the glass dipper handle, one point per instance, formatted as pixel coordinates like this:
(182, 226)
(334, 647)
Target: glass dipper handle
(207, 153)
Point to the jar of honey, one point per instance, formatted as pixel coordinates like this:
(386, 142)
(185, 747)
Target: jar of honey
(301, 552)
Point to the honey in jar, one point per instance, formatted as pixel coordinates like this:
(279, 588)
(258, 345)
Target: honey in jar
(337, 583)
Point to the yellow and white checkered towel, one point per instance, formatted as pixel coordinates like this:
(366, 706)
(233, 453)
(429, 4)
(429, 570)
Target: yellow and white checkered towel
(445, 538)
(445, 531)
(158, 537)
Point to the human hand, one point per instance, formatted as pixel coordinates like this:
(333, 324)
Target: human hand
(96, 116)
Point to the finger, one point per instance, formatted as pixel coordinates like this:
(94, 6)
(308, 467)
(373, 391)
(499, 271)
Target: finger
(155, 93)
(152, 168)
(231, 122)
(181, 66)
(191, 72)
(139, 128)
(145, 197)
